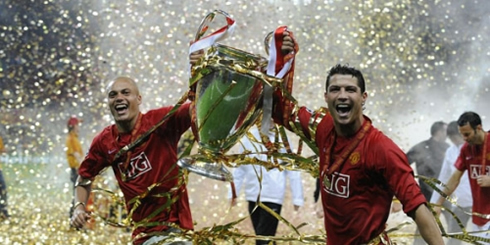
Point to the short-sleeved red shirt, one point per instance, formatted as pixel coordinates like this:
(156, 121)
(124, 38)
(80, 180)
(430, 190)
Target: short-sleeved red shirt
(151, 162)
(470, 158)
(357, 203)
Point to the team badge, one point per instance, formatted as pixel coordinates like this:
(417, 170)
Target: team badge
(354, 158)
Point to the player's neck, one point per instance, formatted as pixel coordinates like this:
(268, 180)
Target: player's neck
(348, 130)
(127, 126)
(481, 137)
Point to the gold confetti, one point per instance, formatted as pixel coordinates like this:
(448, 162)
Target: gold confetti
(423, 61)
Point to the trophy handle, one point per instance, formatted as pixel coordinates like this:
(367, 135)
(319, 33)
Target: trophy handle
(267, 42)
(202, 42)
(203, 27)
(210, 39)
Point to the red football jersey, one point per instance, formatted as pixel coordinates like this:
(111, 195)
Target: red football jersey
(151, 162)
(470, 159)
(357, 196)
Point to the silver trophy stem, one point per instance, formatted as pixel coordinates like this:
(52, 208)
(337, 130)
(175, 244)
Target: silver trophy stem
(213, 170)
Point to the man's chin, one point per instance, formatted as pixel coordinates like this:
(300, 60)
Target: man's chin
(121, 119)
(343, 120)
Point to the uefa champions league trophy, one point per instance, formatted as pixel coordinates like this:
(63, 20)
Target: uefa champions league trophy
(227, 89)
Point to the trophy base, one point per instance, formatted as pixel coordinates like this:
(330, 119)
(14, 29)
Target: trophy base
(211, 170)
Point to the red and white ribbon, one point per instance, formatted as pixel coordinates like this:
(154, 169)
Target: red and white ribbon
(276, 66)
(214, 37)
(279, 65)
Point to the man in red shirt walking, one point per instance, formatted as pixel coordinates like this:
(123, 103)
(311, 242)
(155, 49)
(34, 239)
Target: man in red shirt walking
(474, 157)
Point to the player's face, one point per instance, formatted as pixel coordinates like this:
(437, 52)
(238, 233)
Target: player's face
(124, 100)
(469, 134)
(345, 99)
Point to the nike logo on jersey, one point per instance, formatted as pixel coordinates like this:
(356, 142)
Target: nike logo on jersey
(111, 151)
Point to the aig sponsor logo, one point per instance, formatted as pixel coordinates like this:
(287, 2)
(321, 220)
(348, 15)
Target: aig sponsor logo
(475, 170)
(137, 166)
(340, 185)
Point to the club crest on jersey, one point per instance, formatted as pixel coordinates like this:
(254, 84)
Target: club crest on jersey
(137, 166)
(354, 158)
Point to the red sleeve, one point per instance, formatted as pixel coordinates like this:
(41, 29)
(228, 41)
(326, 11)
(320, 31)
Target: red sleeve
(175, 124)
(96, 159)
(459, 164)
(182, 118)
(282, 112)
(304, 116)
(282, 109)
(396, 170)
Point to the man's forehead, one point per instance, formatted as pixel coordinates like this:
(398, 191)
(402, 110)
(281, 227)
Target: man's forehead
(120, 84)
(465, 128)
(344, 79)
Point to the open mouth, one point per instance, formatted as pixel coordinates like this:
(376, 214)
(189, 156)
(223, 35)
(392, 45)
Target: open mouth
(343, 110)
(121, 109)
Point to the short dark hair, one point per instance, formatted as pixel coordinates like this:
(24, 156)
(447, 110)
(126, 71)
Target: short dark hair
(452, 129)
(346, 70)
(436, 127)
(469, 117)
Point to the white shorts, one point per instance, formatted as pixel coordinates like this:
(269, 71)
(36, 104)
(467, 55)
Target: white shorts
(486, 234)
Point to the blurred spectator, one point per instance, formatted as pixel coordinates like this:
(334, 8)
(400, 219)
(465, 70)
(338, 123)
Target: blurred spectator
(462, 193)
(268, 187)
(74, 156)
(3, 188)
(74, 152)
(428, 155)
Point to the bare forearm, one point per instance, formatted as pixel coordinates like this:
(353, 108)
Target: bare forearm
(448, 190)
(82, 190)
(428, 226)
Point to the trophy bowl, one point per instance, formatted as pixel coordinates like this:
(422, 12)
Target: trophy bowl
(228, 87)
